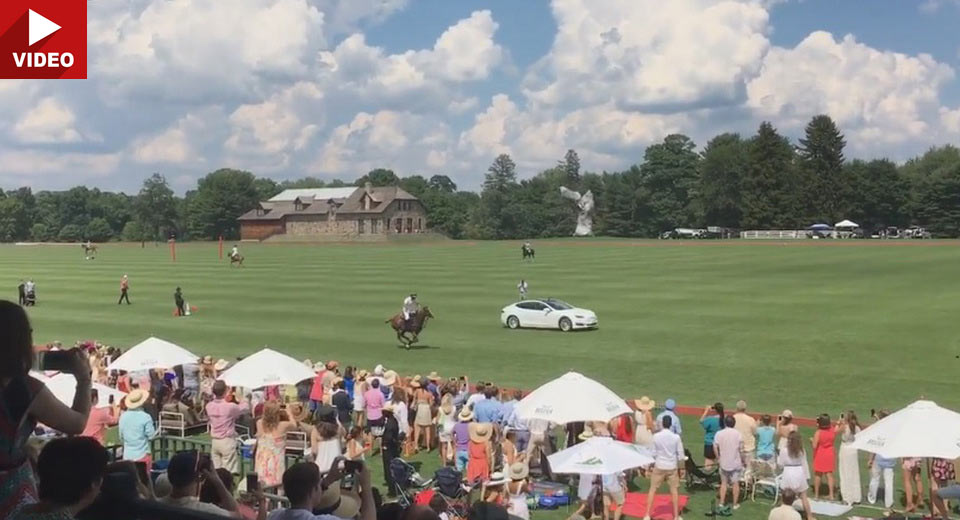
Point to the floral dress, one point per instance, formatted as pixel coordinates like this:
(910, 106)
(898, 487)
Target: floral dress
(17, 482)
(270, 462)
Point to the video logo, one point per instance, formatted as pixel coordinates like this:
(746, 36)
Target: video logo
(43, 39)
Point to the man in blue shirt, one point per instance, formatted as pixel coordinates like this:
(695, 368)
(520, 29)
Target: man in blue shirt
(136, 428)
(675, 427)
(488, 410)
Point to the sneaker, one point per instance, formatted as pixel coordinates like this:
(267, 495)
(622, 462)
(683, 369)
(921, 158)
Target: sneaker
(736, 506)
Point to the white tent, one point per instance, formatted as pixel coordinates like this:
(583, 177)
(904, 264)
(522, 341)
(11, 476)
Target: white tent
(64, 388)
(153, 353)
(266, 368)
(570, 398)
(846, 224)
(922, 429)
(599, 456)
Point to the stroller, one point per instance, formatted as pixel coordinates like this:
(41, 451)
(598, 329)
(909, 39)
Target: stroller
(698, 476)
(448, 483)
(407, 481)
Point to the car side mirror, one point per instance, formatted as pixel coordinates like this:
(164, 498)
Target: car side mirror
(547, 311)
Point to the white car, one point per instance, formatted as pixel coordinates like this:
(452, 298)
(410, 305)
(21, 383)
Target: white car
(547, 313)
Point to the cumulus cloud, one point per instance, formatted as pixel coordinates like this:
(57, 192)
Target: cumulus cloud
(648, 54)
(281, 124)
(53, 168)
(177, 143)
(49, 121)
(876, 96)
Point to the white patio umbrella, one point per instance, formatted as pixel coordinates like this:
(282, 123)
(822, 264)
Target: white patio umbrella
(266, 368)
(599, 456)
(64, 388)
(572, 397)
(153, 353)
(922, 429)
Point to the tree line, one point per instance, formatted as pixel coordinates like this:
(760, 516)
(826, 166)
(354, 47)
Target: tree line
(763, 181)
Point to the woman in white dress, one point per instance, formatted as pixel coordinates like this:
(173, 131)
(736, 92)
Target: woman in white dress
(850, 491)
(359, 403)
(517, 491)
(325, 441)
(796, 472)
(446, 420)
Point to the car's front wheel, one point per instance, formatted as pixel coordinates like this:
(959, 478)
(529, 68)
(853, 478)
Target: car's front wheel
(513, 322)
(566, 325)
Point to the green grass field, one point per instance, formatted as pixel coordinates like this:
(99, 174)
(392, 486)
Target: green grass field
(807, 326)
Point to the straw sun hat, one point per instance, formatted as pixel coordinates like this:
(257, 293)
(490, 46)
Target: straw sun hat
(135, 399)
(644, 404)
(466, 415)
(480, 432)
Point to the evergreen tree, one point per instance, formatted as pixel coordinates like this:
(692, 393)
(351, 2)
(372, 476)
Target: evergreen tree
(821, 162)
(669, 178)
(722, 168)
(768, 195)
(571, 168)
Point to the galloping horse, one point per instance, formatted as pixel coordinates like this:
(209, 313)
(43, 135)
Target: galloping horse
(89, 251)
(417, 325)
(528, 252)
(238, 259)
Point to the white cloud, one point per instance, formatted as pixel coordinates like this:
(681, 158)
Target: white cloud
(466, 51)
(875, 96)
(76, 167)
(950, 119)
(49, 121)
(462, 106)
(645, 54)
(344, 16)
(276, 125)
(175, 145)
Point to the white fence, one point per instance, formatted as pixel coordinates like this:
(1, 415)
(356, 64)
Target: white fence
(775, 234)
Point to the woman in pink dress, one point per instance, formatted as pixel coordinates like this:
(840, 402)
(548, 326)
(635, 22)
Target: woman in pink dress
(270, 459)
(479, 452)
(824, 455)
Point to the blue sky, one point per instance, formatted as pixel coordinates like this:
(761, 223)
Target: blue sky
(333, 88)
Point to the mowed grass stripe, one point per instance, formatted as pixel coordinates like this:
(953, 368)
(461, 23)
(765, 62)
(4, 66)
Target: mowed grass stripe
(815, 328)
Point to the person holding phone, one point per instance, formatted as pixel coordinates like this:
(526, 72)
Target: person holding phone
(100, 418)
(27, 402)
(308, 492)
(188, 471)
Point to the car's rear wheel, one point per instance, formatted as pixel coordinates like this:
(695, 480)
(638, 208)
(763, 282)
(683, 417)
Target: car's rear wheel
(513, 322)
(566, 325)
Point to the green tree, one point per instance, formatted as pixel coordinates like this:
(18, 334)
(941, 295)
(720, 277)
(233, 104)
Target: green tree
(491, 219)
(821, 160)
(221, 197)
(379, 177)
(937, 201)
(721, 170)
(415, 185)
(134, 232)
(14, 220)
(501, 175)
(622, 210)
(571, 168)
(266, 188)
(304, 183)
(669, 178)
(41, 233)
(768, 194)
(98, 230)
(70, 233)
(156, 208)
(442, 183)
(879, 194)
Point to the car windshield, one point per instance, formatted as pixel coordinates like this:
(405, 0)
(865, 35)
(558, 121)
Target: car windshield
(558, 304)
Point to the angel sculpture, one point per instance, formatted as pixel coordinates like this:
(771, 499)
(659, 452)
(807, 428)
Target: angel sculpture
(585, 205)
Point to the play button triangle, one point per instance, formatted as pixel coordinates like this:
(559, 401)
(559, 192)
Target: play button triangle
(40, 27)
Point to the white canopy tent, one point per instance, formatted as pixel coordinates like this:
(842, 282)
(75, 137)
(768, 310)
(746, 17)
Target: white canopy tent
(153, 353)
(266, 368)
(922, 429)
(846, 224)
(599, 456)
(64, 388)
(570, 398)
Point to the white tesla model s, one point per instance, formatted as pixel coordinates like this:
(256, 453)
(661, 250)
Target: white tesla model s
(547, 313)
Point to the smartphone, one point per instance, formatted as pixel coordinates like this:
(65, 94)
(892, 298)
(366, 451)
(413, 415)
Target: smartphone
(253, 482)
(142, 472)
(55, 360)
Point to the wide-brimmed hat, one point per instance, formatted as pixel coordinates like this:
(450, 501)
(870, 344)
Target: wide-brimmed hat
(415, 382)
(585, 435)
(221, 364)
(465, 415)
(362, 374)
(378, 370)
(338, 505)
(135, 399)
(786, 413)
(644, 404)
(496, 479)
(446, 404)
(433, 376)
(519, 471)
(480, 432)
(389, 378)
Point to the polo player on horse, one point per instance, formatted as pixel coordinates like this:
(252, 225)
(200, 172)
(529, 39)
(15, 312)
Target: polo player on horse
(235, 252)
(410, 309)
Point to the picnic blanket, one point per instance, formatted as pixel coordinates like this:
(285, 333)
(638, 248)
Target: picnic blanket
(636, 506)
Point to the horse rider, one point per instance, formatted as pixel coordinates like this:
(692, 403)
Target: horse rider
(235, 252)
(522, 287)
(410, 309)
(30, 290)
